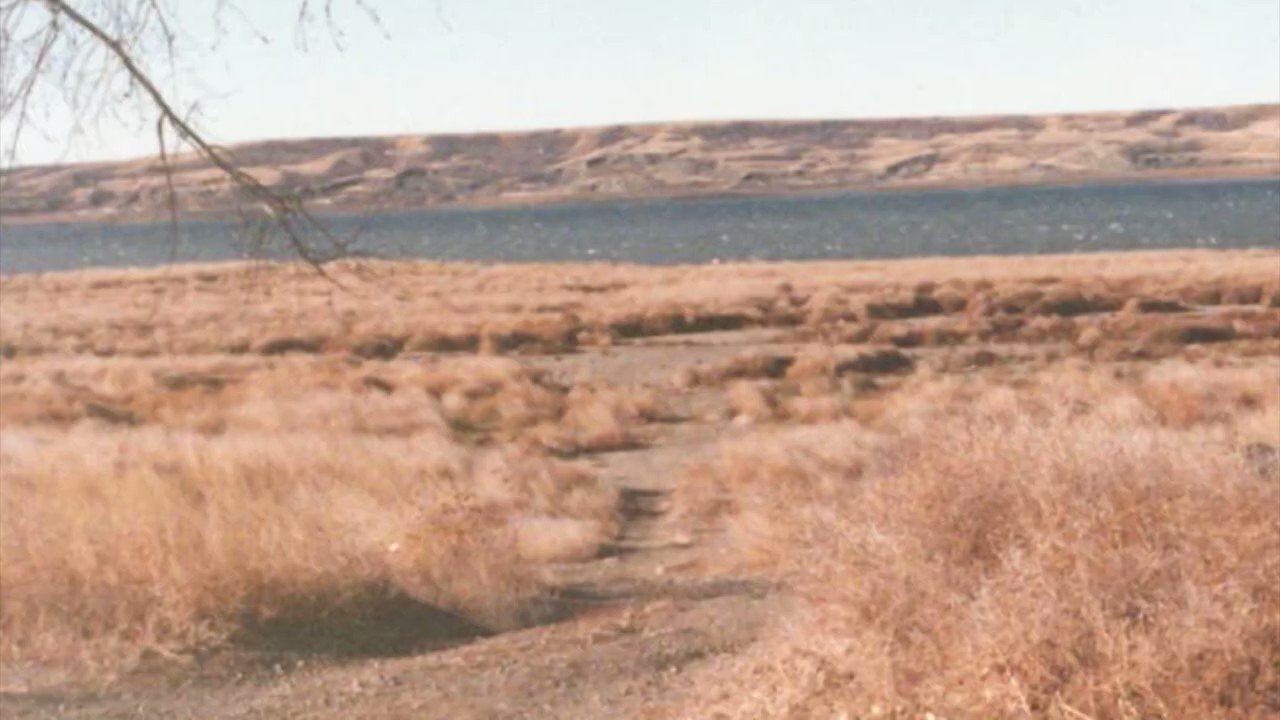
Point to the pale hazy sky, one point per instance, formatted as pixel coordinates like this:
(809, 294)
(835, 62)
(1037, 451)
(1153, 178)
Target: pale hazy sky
(468, 65)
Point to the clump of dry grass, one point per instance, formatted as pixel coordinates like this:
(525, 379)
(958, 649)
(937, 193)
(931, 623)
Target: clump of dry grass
(599, 419)
(758, 401)
(745, 366)
(481, 397)
(166, 503)
(116, 542)
(752, 401)
(1010, 552)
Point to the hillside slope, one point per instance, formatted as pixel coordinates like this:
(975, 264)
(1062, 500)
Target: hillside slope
(673, 160)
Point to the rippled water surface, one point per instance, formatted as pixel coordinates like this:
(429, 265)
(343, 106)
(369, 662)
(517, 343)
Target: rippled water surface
(857, 225)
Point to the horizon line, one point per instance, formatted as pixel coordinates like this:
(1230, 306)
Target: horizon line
(531, 130)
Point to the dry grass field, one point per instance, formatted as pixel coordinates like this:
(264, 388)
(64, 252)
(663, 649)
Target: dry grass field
(986, 487)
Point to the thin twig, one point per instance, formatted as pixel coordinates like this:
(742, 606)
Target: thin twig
(287, 213)
(28, 82)
(171, 194)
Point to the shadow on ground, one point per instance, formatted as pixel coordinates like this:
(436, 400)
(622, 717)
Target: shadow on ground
(377, 623)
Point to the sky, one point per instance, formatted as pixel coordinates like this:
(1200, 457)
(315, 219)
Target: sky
(479, 65)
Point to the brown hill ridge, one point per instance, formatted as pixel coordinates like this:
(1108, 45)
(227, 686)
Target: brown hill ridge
(673, 160)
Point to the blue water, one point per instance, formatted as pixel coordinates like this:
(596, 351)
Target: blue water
(1224, 214)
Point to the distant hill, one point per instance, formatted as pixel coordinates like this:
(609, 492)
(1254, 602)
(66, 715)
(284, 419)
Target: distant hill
(673, 160)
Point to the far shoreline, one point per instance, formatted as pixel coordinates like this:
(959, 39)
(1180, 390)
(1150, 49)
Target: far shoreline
(1170, 176)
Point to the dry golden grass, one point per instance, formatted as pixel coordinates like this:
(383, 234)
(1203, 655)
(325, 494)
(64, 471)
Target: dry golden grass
(173, 503)
(483, 398)
(385, 309)
(118, 541)
(1064, 544)
(1003, 485)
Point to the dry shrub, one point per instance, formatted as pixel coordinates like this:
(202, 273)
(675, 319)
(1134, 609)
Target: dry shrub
(826, 306)
(684, 378)
(504, 407)
(999, 328)
(444, 342)
(1190, 333)
(598, 419)
(667, 319)
(1247, 294)
(1154, 305)
(813, 371)
(751, 365)
(332, 411)
(1090, 338)
(283, 345)
(1014, 300)
(857, 334)
(902, 336)
(533, 334)
(378, 347)
(951, 300)
(902, 306)
(970, 361)
(1049, 329)
(1016, 555)
(811, 400)
(815, 408)
(1203, 293)
(1184, 395)
(1071, 302)
(877, 362)
(734, 491)
(752, 401)
(940, 334)
(113, 543)
(491, 395)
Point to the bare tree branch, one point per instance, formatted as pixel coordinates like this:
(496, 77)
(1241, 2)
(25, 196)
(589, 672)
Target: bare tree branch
(22, 95)
(93, 55)
(171, 194)
(288, 213)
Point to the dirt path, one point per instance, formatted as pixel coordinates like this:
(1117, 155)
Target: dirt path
(645, 618)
